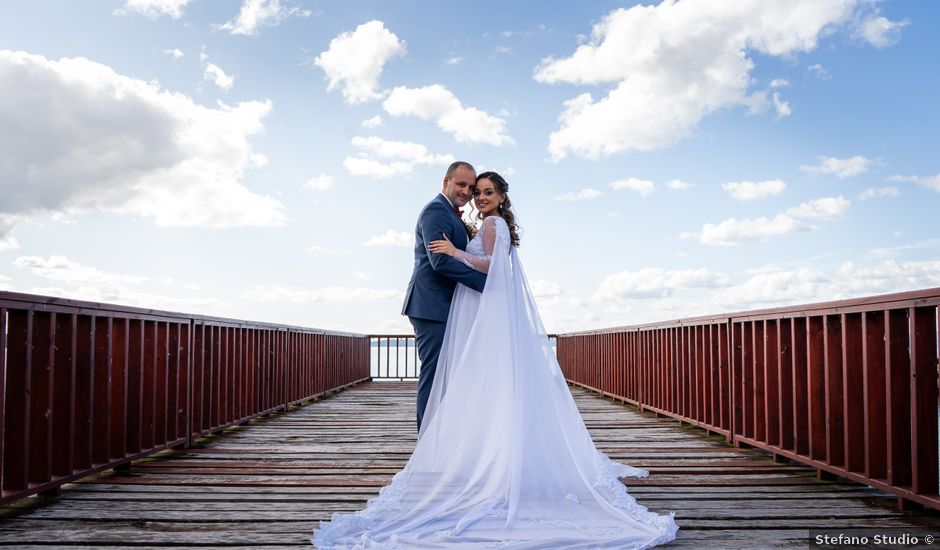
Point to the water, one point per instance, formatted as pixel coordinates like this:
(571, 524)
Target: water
(390, 361)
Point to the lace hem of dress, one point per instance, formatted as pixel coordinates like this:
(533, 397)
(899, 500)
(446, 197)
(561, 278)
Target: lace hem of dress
(607, 474)
(342, 525)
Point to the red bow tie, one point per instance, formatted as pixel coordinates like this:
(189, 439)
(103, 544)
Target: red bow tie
(458, 212)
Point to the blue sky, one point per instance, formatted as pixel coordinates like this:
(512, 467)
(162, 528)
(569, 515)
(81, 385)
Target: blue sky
(266, 159)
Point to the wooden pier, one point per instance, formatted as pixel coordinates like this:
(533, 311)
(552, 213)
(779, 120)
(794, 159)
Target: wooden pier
(268, 483)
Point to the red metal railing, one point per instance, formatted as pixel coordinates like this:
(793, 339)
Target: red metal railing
(85, 387)
(848, 387)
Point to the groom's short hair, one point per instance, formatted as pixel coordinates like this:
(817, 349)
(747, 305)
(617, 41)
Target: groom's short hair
(457, 164)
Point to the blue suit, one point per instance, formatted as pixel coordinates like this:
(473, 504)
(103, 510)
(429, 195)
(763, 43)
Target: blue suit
(432, 285)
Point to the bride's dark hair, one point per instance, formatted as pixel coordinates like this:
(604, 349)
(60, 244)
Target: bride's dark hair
(505, 208)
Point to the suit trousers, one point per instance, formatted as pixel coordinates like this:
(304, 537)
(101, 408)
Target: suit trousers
(429, 337)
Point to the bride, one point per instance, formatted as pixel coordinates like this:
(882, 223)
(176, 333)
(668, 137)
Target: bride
(503, 458)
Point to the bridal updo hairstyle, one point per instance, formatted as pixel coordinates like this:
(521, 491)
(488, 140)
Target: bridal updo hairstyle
(505, 208)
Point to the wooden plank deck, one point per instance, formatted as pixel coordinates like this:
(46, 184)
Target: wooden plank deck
(267, 484)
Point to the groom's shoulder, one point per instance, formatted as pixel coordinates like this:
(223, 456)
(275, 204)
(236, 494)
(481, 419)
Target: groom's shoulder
(433, 206)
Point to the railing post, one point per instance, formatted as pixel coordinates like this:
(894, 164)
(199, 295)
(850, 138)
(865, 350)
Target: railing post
(923, 390)
(4, 327)
(189, 400)
(16, 433)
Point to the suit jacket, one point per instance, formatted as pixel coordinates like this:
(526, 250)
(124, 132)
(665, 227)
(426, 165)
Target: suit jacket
(435, 276)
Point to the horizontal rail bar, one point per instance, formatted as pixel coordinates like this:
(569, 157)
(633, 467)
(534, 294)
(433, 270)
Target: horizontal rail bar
(913, 298)
(35, 302)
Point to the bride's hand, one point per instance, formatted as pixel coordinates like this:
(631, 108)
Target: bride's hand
(442, 247)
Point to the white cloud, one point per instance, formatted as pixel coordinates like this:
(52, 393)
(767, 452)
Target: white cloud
(678, 185)
(61, 269)
(175, 53)
(217, 76)
(8, 243)
(78, 136)
(154, 8)
(321, 182)
(773, 288)
(841, 168)
(354, 60)
(63, 218)
(819, 71)
(673, 64)
(9, 221)
(749, 190)
(545, 289)
(89, 283)
(332, 294)
(779, 83)
(880, 31)
(767, 286)
(876, 192)
(826, 208)
(930, 182)
(643, 187)
(117, 294)
(260, 13)
(502, 49)
(397, 325)
(895, 250)
(392, 238)
(582, 195)
(373, 122)
(657, 282)
(360, 275)
(454, 60)
(437, 103)
(782, 107)
(381, 158)
(733, 231)
(317, 249)
(889, 276)
(768, 268)
(557, 308)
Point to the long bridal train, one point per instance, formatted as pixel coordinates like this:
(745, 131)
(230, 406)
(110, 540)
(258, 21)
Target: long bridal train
(504, 459)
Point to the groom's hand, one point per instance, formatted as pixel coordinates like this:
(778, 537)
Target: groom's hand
(442, 247)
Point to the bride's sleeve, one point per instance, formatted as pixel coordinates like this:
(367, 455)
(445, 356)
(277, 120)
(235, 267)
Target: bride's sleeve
(481, 263)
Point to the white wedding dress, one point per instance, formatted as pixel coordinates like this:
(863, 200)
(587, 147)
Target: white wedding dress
(503, 459)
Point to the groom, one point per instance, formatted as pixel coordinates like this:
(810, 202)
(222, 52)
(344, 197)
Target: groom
(435, 276)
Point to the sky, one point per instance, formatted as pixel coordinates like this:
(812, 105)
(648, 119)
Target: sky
(267, 159)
